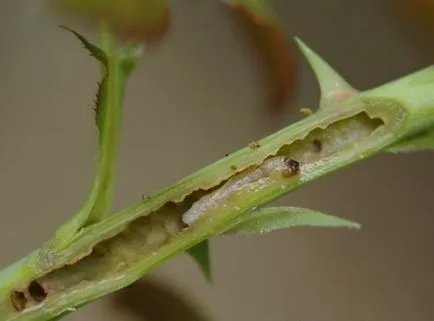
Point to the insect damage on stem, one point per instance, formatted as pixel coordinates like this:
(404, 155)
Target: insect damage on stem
(31, 295)
(114, 256)
(250, 179)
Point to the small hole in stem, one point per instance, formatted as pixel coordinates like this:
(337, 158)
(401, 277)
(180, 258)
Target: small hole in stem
(19, 300)
(37, 292)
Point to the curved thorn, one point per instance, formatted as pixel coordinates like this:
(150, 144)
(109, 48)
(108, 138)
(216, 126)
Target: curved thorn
(333, 87)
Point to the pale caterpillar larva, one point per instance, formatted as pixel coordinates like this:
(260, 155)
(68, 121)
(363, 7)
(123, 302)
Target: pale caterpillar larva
(278, 165)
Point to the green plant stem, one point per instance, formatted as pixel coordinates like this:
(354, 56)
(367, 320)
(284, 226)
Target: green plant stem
(113, 253)
(108, 119)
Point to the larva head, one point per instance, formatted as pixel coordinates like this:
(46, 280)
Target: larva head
(293, 167)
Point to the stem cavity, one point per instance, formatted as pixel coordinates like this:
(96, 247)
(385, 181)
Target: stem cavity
(140, 239)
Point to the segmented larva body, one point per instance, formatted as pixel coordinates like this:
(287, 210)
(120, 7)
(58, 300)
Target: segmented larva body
(271, 167)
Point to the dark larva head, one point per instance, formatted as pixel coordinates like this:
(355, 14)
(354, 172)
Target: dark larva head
(293, 167)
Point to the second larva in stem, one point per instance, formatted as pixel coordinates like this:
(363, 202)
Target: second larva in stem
(272, 167)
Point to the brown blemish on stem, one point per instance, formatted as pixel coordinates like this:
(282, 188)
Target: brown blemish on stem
(306, 111)
(254, 145)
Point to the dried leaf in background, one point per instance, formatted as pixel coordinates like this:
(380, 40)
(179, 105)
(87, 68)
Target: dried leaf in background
(416, 18)
(133, 20)
(148, 21)
(260, 25)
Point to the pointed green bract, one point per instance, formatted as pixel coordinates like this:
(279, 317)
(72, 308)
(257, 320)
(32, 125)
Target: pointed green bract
(99, 55)
(275, 218)
(94, 51)
(200, 253)
(333, 87)
(420, 142)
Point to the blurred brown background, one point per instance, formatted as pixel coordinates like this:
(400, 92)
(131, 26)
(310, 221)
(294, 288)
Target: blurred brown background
(190, 102)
